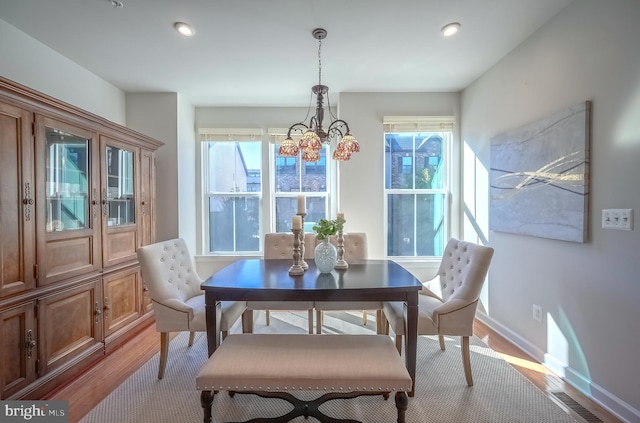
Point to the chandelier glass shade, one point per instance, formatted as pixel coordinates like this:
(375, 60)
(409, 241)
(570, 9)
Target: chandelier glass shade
(314, 136)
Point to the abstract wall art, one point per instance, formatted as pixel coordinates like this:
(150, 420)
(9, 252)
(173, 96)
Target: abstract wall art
(540, 177)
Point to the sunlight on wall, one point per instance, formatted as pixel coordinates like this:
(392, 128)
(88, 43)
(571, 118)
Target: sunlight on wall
(475, 188)
(557, 355)
(577, 372)
(628, 127)
(475, 220)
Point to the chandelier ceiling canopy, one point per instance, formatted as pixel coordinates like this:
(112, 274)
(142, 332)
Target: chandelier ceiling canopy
(314, 136)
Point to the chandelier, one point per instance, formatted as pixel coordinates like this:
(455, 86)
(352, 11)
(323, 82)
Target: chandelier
(313, 135)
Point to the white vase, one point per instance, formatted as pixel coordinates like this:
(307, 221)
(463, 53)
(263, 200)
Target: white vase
(325, 256)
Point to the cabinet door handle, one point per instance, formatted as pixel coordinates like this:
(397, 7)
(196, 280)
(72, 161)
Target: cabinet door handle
(30, 344)
(94, 202)
(104, 203)
(97, 312)
(27, 201)
(107, 307)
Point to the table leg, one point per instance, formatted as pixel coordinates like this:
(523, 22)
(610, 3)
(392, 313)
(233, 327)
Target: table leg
(411, 337)
(213, 315)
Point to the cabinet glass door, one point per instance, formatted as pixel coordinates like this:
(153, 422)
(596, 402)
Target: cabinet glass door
(120, 187)
(67, 172)
(68, 213)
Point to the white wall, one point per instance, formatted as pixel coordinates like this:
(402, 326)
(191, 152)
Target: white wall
(156, 114)
(186, 173)
(31, 63)
(589, 292)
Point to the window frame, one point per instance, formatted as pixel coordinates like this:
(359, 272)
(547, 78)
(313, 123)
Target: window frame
(235, 135)
(421, 124)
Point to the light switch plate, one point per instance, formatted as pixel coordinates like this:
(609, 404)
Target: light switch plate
(620, 219)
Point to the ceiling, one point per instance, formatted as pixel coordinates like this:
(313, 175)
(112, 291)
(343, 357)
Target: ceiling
(262, 53)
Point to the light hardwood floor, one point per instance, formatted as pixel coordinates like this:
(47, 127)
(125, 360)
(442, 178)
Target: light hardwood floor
(87, 391)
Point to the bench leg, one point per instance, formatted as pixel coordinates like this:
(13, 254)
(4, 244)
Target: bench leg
(206, 400)
(402, 402)
(319, 321)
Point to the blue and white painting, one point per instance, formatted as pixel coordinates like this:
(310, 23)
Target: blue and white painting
(540, 177)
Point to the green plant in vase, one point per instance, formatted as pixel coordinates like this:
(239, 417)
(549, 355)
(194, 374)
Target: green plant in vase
(325, 253)
(325, 228)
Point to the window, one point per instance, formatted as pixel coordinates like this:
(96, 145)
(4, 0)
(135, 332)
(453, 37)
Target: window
(286, 165)
(406, 164)
(417, 184)
(232, 188)
(293, 177)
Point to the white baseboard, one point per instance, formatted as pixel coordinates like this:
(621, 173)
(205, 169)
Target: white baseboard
(599, 395)
(512, 337)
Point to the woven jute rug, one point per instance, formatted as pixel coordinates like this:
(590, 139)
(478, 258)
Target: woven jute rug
(499, 394)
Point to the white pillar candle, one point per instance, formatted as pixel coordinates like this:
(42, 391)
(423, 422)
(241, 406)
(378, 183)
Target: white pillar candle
(296, 222)
(302, 204)
(340, 215)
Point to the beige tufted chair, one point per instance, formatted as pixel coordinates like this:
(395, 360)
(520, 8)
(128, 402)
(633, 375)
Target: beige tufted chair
(280, 246)
(355, 250)
(174, 287)
(462, 272)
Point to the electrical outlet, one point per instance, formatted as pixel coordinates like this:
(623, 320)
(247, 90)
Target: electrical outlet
(537, 313)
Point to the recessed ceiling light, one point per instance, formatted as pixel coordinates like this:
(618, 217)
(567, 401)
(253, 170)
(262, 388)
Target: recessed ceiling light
(184, 29)
(450, 29)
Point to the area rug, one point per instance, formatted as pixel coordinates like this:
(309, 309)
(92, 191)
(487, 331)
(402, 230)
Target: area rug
(499, 394)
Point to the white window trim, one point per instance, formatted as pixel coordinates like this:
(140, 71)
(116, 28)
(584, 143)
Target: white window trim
(223, 135)
(424, 124)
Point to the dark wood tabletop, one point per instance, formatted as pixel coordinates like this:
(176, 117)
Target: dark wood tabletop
(261, 280)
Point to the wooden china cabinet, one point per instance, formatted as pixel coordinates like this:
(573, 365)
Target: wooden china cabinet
(77, 199)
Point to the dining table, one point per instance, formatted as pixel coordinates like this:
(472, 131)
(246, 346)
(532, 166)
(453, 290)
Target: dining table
(269, 280)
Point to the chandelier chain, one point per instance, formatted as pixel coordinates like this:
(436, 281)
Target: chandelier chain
(320, 61)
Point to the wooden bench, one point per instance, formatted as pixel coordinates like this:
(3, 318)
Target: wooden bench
(274, 365)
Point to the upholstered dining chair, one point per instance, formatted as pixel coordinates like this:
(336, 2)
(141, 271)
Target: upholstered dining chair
(280, 246)
(174, 287)
(462, 272)
(355, 250)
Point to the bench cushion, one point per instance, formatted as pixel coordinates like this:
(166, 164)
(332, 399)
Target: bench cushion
(289, 362)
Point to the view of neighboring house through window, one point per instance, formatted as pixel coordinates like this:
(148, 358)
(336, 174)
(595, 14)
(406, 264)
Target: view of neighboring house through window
(295, 177)
(232, 190)
(417, 164)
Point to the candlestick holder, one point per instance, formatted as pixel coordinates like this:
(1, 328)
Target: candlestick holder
(296, 269)
(341, 263)
(303, 263)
